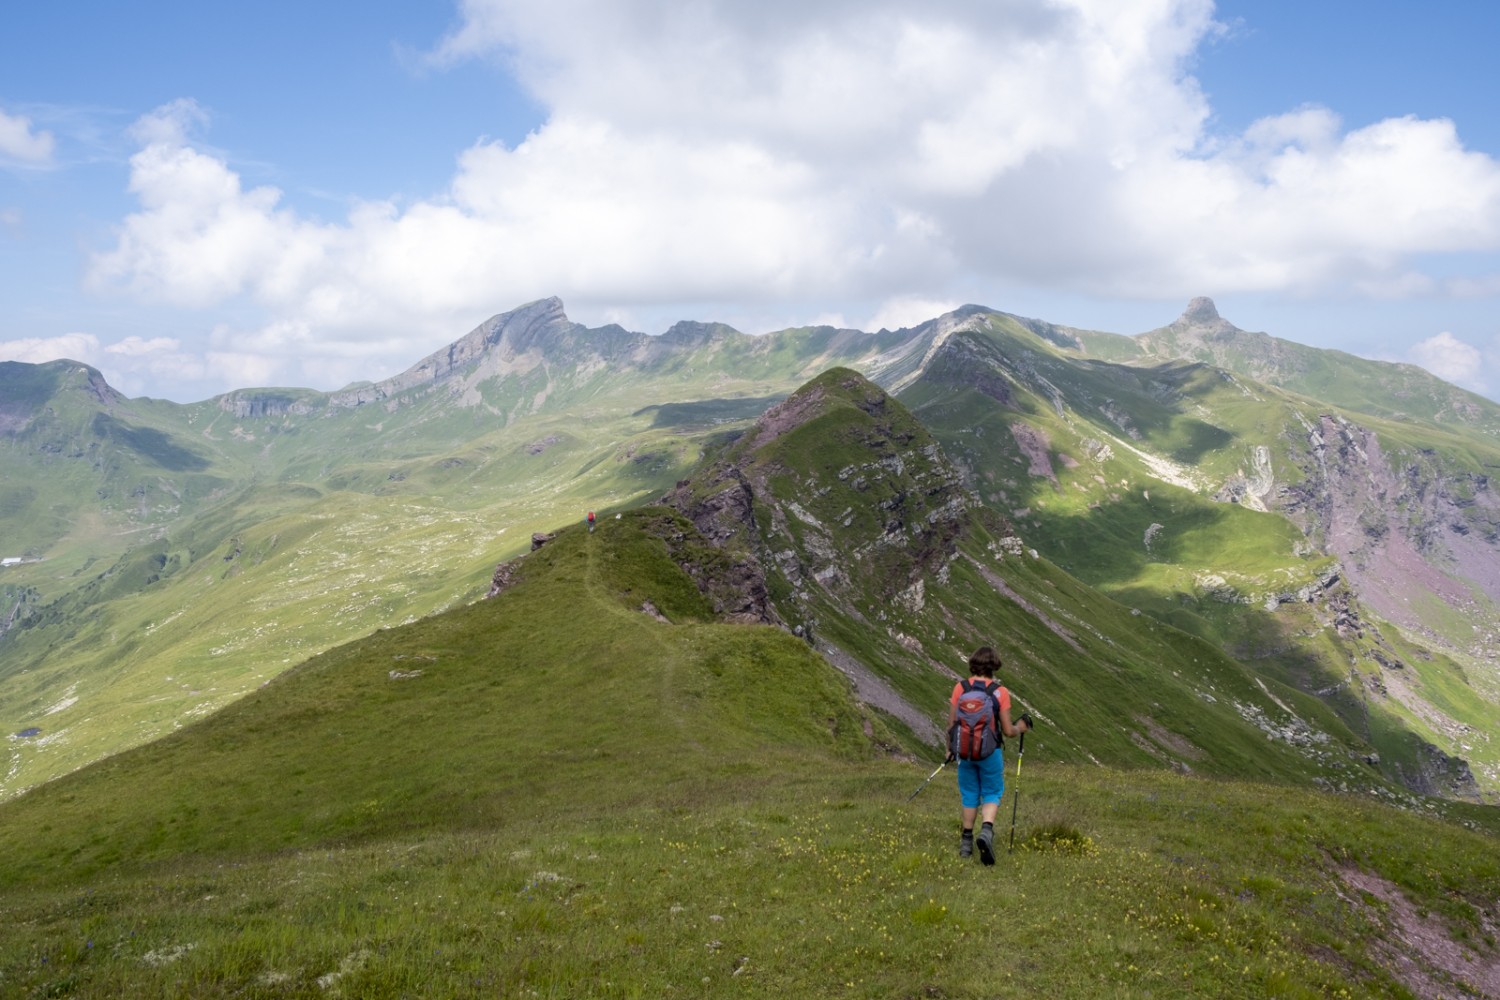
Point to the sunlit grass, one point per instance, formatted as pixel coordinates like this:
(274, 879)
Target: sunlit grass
(826, 885)
(554, 794)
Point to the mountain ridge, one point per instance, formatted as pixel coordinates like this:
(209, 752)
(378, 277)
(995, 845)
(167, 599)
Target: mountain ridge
(304, 757)
(527, 420)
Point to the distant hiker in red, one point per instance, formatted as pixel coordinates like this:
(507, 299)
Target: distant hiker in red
(591, 521)
(978, 714)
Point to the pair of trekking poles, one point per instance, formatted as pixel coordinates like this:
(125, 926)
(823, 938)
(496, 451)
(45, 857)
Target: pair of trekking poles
(1014, 802)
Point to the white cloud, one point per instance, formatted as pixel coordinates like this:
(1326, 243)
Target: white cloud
(1060, 144)
(871, 156)
(1450, 359)
(37, 350)
(908, 311)
(139, 347)
(169, 125)
(21, 143)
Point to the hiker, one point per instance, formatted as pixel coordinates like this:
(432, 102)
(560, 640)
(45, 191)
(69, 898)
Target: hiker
(591, 522)
(978, 714)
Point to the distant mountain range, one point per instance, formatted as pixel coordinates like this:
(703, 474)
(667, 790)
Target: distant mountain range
(1275, 560)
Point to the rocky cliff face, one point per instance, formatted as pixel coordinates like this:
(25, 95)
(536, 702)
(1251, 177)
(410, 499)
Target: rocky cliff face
(259, 405)
(873, 520)
(1408, 529)
(510, 334)
(1399, 524)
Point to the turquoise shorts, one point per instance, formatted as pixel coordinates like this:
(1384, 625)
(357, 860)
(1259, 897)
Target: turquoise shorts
(981, 781)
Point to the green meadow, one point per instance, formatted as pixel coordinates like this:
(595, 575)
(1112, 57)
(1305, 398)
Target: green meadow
(553, 794)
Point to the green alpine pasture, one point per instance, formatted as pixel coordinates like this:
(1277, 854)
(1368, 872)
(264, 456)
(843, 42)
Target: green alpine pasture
(176, 558)
(556, 793)
(154, 607)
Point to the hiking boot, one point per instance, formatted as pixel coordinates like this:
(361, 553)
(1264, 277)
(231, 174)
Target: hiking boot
(986, 840)
(966, 844)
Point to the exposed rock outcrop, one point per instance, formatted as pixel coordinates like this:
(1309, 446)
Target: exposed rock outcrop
(726, 571)
(881, 519)
(256, 405)
(1398, 525)
(510, 333)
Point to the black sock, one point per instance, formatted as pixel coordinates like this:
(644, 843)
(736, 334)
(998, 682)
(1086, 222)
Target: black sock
(969, 832)
(989, 826)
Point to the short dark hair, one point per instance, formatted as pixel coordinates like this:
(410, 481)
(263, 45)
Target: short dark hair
(984, 662)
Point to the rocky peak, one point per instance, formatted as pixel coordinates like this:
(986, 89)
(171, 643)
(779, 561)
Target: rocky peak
(1200, 312)
(839, 490)
(1201, 321)
(518, 330)
(510, 333)
(688, 333)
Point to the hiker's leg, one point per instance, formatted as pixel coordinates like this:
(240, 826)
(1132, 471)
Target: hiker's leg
(992, 781)
(968, 791)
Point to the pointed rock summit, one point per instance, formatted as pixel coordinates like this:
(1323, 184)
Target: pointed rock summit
(1201, 320)
(1200, 311)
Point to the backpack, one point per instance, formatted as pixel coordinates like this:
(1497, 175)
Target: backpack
(976, 724)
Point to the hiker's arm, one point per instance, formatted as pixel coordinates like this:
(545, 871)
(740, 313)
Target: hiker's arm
(1012, 729)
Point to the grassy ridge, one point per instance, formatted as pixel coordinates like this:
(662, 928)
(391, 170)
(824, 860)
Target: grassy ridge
(310, 524)
(554, 792)
(420, 718)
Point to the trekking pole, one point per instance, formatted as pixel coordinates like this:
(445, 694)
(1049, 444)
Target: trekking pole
(934, 774)
(1016, 802)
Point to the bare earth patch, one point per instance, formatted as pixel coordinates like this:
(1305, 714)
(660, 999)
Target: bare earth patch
(1420, 950)
(994, 580)
(1034, 445)
(1164, 737)
(875, 692)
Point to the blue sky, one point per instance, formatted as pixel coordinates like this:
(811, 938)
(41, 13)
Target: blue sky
(195, 198)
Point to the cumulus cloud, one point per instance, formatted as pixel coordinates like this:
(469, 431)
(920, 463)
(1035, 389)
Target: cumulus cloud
(1450, 359)
(872, 154)
(20, 142)
(908, 311)
(36, 350)
(140, 347)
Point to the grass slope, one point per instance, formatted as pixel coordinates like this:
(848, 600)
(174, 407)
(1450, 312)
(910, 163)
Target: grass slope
(873, 548)
(553, 793)
(188, 553)
(235, 537)
(1122, 476)
(127, 639)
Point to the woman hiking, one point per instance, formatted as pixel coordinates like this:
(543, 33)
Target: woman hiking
(978, 713)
